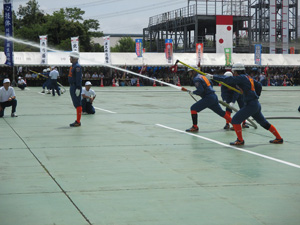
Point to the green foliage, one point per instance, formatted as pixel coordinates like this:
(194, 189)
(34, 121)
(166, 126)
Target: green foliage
(30, 22)
(125, 44)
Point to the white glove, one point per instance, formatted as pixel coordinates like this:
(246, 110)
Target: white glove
(231, 104)
(77, 92)
(209, 76)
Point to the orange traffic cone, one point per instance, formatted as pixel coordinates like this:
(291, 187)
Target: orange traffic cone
(101, 85)
(178, 83)
(138, 82)
(114, 83)
(154, 84)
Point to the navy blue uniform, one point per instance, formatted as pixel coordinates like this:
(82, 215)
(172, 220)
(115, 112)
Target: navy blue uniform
(251, 90)
(207, 93)
(75, 81)
(229, 96)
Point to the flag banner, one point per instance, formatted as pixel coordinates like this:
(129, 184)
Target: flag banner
(169, 50)
(139, 47)
(199, 53)
(8, 29)
(75, 44)
(257, 54)
(227, 56)
(224, 33)
(107, 58)
(43, 49)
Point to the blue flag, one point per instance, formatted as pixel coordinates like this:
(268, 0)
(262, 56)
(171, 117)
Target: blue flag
(8, 29)
(257, 54)
(139, 47)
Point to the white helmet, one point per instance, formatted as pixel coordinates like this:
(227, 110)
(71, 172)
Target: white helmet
(44, 70)
(238, 66)
(228, 74)
(48, 69)
(74, 55)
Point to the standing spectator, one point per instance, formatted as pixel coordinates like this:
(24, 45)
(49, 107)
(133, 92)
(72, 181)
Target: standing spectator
(7, 98)
(88, 97)
(21, 83)
(54, 76)
(75, 79)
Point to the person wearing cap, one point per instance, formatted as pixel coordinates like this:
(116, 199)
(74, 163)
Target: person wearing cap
(75, 79)
(46, 84)
(251, 90)
(209, 99)
(7, 98)
(21, 83)
(230, 97)
(53, 78)
(88, 97)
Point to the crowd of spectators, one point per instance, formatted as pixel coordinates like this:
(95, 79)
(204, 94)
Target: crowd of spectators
(273, 76)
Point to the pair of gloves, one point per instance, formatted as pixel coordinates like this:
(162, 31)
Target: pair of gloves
(209, 76)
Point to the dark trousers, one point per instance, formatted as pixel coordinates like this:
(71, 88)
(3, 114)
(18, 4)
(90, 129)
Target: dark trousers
(12, 103)
(87, 107)
(54, 86)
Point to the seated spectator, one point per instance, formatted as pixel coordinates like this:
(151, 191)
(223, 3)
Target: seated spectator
(21, 83)
(34, 75)
(28, 75)
(87, 75)
(95, 75)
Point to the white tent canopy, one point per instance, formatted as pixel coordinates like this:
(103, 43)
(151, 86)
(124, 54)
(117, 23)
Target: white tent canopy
(149, 59)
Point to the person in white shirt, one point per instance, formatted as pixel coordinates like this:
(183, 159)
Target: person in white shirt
(88, 97)
(53, 76)
(7, 98)
(21, 83)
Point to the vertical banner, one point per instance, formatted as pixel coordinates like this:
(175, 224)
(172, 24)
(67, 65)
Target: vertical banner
(107, 49)
(169, 50)
(224, 33)
(139, 47)
(199, 53)
(285, 27)
(257, 54)
(272, 29)
(43, 49)
(75, 44)
(227, 56)
(8, 29)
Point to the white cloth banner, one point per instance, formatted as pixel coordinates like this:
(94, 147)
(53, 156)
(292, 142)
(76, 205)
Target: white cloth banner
(75, 44)
(107, 58)
(43, 49)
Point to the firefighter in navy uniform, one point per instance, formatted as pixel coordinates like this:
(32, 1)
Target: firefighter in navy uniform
(251, 91)
(209, 99)
(75, 81)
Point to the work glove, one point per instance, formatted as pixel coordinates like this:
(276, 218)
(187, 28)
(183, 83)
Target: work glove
(231, 104)
(77, 92)
(209, 76)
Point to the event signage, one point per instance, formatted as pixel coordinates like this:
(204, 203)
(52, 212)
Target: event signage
(227, 56)
(199, 53)
(169, 50)
(8, 30)
(75, 44)
(257, 54)
(107, 49)
(139, 47)
(43, 49)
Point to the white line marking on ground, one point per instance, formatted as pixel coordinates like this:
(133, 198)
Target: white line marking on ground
(27, 89)
(230, 146)
(41, 93)
(104, 110)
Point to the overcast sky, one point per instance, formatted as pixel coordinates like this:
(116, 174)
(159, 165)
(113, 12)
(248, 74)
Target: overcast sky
(114, 16)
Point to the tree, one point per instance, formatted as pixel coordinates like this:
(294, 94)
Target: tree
(125, 44)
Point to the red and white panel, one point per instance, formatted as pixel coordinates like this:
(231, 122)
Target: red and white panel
(272, 30)
(285, 27)
(224, 33)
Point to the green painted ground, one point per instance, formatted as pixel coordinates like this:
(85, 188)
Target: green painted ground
(131, 163)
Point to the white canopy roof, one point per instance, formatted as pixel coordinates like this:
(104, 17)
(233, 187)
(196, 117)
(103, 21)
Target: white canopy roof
(150, 59)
